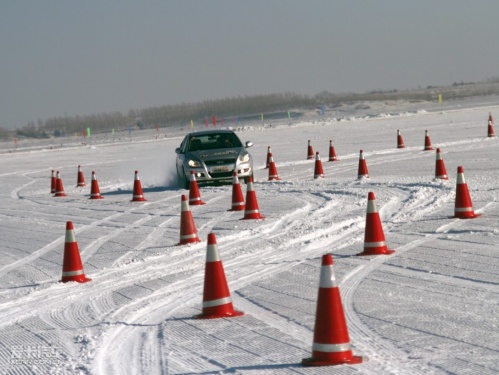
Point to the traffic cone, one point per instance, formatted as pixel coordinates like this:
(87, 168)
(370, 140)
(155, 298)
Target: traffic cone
(237, 195)
(400, 141)
(463, 206)
(427, 141)
(374, 238)
(318, 172)
(72, 268)
(216, 295)
(188, 232)
(310, 151)
(59, 188)
(194, 195)
(251, 210)
(332, 152)
(490, 130)
(80, 182)
(362, 171)
(52, 182)
(138, 195)
(269, 155)
(331, 345)
(272, 170)
(440, 171)
(94, 188)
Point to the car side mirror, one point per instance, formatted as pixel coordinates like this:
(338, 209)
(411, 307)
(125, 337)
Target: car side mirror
(249, 144)
(177, 150)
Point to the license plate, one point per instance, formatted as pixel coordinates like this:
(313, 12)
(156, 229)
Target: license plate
(220, 169)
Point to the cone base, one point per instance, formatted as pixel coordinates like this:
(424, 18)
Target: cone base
(79, 279)
(97, 197)
(81, 185)
(187, 242)
(428, 149)
(228, 314)
(60, 195)
(334, 159)
(274, 179)
(376, 251)
(237, 208)
(441, 177)
(465, 215)
(253, 217)
(196, 203)
(138, 200)
(331, 362)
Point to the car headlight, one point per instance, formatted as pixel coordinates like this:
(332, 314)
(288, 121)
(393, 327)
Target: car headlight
(193, 163)
(244, 158)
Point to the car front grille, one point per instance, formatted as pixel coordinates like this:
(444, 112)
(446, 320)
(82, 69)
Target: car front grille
(221, 174)
(211, 163)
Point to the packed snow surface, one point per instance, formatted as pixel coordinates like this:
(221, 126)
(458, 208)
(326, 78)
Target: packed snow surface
(432, 307)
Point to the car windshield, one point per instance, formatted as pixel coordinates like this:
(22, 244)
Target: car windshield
(213, 141)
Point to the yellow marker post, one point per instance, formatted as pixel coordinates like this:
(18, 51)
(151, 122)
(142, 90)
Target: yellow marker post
(439, 98)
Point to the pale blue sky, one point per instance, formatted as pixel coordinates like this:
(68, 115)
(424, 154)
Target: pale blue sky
(61, 57)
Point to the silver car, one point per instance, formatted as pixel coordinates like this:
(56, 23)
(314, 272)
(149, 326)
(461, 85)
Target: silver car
(214, 156)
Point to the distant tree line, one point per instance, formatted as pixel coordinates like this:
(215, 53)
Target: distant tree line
(241, 107)
(168, 115)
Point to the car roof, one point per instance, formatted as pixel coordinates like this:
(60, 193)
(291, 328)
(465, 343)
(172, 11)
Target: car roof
(213, 131)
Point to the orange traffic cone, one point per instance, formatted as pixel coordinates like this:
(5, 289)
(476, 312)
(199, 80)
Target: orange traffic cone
(374, 238)
(272, 170)
(331, 344)
(188, 232)
(216, 295)
(80, 182)
(72, 268)
(138, 195)
(427, 141)
(194, 195)
(440, 171)
(463, 206)
(400, 141)
(318, 172)
(59, 188)
(310, 151)
(94, 188)
(362, 171)
(52, 182)
(251, 210)
(332, 152)
(490, 129)
(269, 155)
(237, 195)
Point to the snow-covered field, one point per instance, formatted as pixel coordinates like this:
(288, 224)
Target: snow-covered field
(430, 308)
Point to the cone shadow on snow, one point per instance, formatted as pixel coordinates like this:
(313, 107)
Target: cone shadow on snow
(235, 369)
(156, 189)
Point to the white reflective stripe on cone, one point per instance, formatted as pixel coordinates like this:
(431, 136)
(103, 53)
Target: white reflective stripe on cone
(73, 273)
(194, 199)
(463, 209)
(70, 236)
(237, 204)
(374, 244)
(371, 206)
(212, 254)
(251, 212)
(328, 278)
(460, 178)
(443, 176)
(138, 196)
(331, 348)
(217, 302)
(187, 236)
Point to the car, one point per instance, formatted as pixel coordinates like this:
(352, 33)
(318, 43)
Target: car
(213, 156)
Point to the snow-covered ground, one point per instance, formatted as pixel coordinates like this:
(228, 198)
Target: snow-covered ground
(430, 308)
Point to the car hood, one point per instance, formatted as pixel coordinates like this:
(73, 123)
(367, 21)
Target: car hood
(217, 154)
